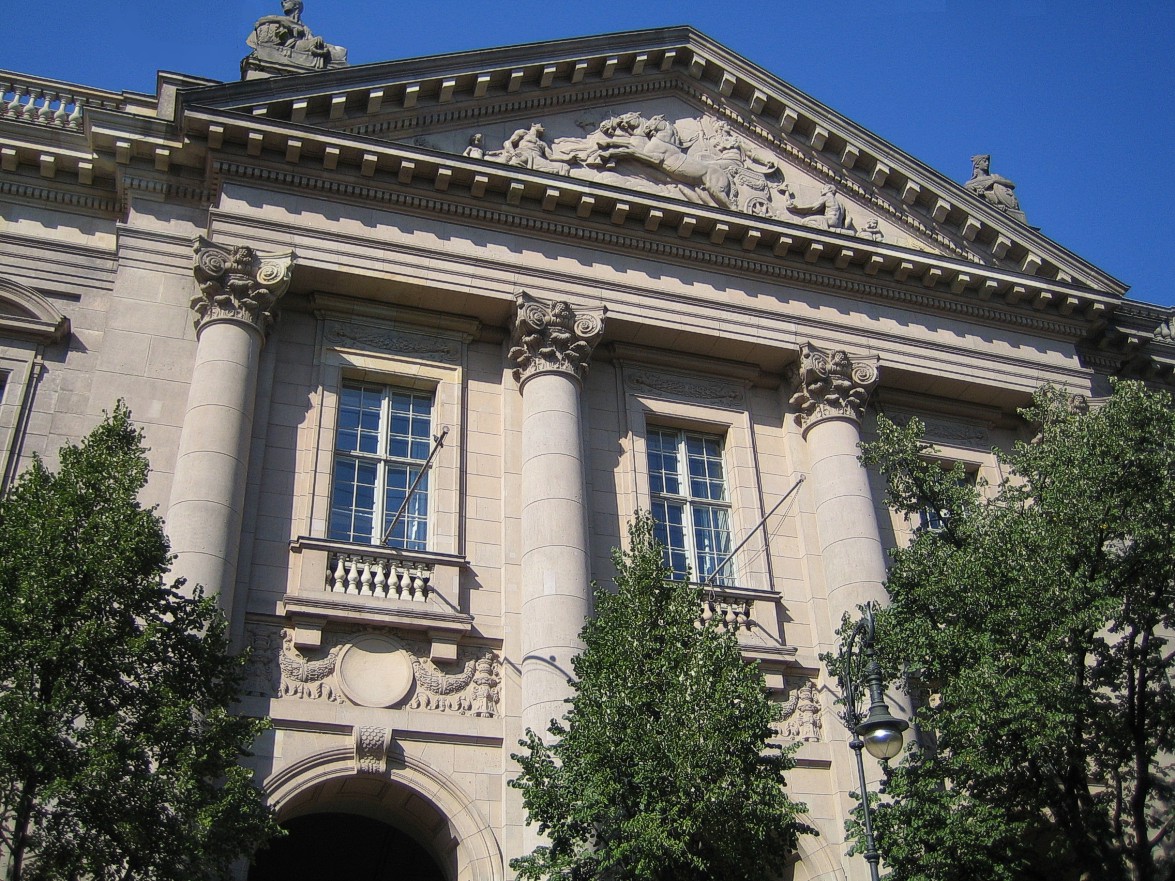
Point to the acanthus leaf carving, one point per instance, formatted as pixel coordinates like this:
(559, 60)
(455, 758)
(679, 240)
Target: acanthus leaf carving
(553, 336)
(831, 384)
(239, 283)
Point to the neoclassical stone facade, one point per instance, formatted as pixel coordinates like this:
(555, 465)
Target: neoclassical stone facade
(523, 292)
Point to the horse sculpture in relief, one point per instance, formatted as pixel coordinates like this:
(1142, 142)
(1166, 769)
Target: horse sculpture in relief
(656, 142)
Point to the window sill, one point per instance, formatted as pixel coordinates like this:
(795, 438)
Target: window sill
(368, 584)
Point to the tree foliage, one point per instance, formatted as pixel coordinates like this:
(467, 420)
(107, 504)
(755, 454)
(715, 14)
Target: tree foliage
(118, 753)
(1037, 622)
(660, 768)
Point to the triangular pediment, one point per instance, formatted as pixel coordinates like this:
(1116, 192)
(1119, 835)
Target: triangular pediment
(667, 113)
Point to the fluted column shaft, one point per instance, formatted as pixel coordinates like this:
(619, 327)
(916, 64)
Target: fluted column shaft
(238, 288)
(552, 345)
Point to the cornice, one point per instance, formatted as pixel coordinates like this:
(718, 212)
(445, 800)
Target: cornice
(704, 236)
(35, 191)
(419, 88)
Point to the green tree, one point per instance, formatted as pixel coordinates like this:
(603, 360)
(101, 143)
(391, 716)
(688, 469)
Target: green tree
(1036, 624)
(118, 752)
(660, 769)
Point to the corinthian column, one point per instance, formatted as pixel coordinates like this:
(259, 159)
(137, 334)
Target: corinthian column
(551, 347)
(833, 390)
(238, 289)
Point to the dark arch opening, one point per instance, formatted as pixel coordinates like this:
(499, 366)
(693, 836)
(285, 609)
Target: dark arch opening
(350, 846)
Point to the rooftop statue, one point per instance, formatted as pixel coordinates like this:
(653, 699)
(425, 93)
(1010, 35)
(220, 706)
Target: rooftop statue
(282, 44)
(992, 188)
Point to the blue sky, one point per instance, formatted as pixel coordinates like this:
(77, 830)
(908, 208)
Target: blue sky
(1074, 99)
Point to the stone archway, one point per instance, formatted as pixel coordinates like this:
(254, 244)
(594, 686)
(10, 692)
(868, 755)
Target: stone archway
(417, 800)
(341, 845)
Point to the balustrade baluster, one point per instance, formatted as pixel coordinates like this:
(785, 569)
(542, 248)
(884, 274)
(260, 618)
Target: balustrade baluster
(365, 580)
(352, 576)
(45, 114)
(61, 117)
(405, 586)
(75, 118)
(381, 580)
(5, 88)
(16, 107)
(30, 108)
(335, 584)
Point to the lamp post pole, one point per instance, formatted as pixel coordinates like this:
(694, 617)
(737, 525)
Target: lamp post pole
(878, 731)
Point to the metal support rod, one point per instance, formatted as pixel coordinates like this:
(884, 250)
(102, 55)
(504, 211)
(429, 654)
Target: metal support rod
(438, 442)
(750, 533)
(872, 857)
(853, 658)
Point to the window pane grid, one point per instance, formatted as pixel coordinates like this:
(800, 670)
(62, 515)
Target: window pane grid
(382, 440)
(693, 529)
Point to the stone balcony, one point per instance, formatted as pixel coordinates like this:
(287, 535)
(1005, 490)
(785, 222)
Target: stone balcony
(365, 584)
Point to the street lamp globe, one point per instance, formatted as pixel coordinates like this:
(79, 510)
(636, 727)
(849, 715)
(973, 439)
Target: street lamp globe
(882, 732)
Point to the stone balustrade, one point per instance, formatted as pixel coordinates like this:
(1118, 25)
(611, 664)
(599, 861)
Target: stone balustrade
(363, 584)
(50, 103)
(378, 575)
(725, 612)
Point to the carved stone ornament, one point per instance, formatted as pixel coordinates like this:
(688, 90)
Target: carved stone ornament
(666, 384)
(238, 283)
(372, 743)
(376, 669)
(830, 384)
(799, 715)
(391, 341)
(553, 336)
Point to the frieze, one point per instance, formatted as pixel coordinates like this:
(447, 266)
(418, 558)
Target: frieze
(667, 384)
(373, 668)
(941, 428)
(390, 341)
(1070, 328)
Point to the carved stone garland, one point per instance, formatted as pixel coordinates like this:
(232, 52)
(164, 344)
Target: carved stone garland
(831, 384)
(474, 689)
(553, 336)
(239, 283)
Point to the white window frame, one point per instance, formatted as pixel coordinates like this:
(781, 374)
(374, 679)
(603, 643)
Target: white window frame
(689, 449)
(371, 348)
(396, 461)
(663, 397)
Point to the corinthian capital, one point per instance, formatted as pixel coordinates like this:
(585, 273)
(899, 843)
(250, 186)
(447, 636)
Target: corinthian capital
(830, 384)
(553, 336)
(239, 283)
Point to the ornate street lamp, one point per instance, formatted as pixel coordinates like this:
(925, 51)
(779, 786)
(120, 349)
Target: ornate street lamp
(879, 731)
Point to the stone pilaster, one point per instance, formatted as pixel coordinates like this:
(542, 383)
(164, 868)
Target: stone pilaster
(234, 308)
(832, 392)
(552, 344)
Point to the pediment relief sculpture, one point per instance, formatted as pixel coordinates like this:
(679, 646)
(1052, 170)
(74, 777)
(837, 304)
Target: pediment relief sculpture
(701, 160)
(284, 41)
